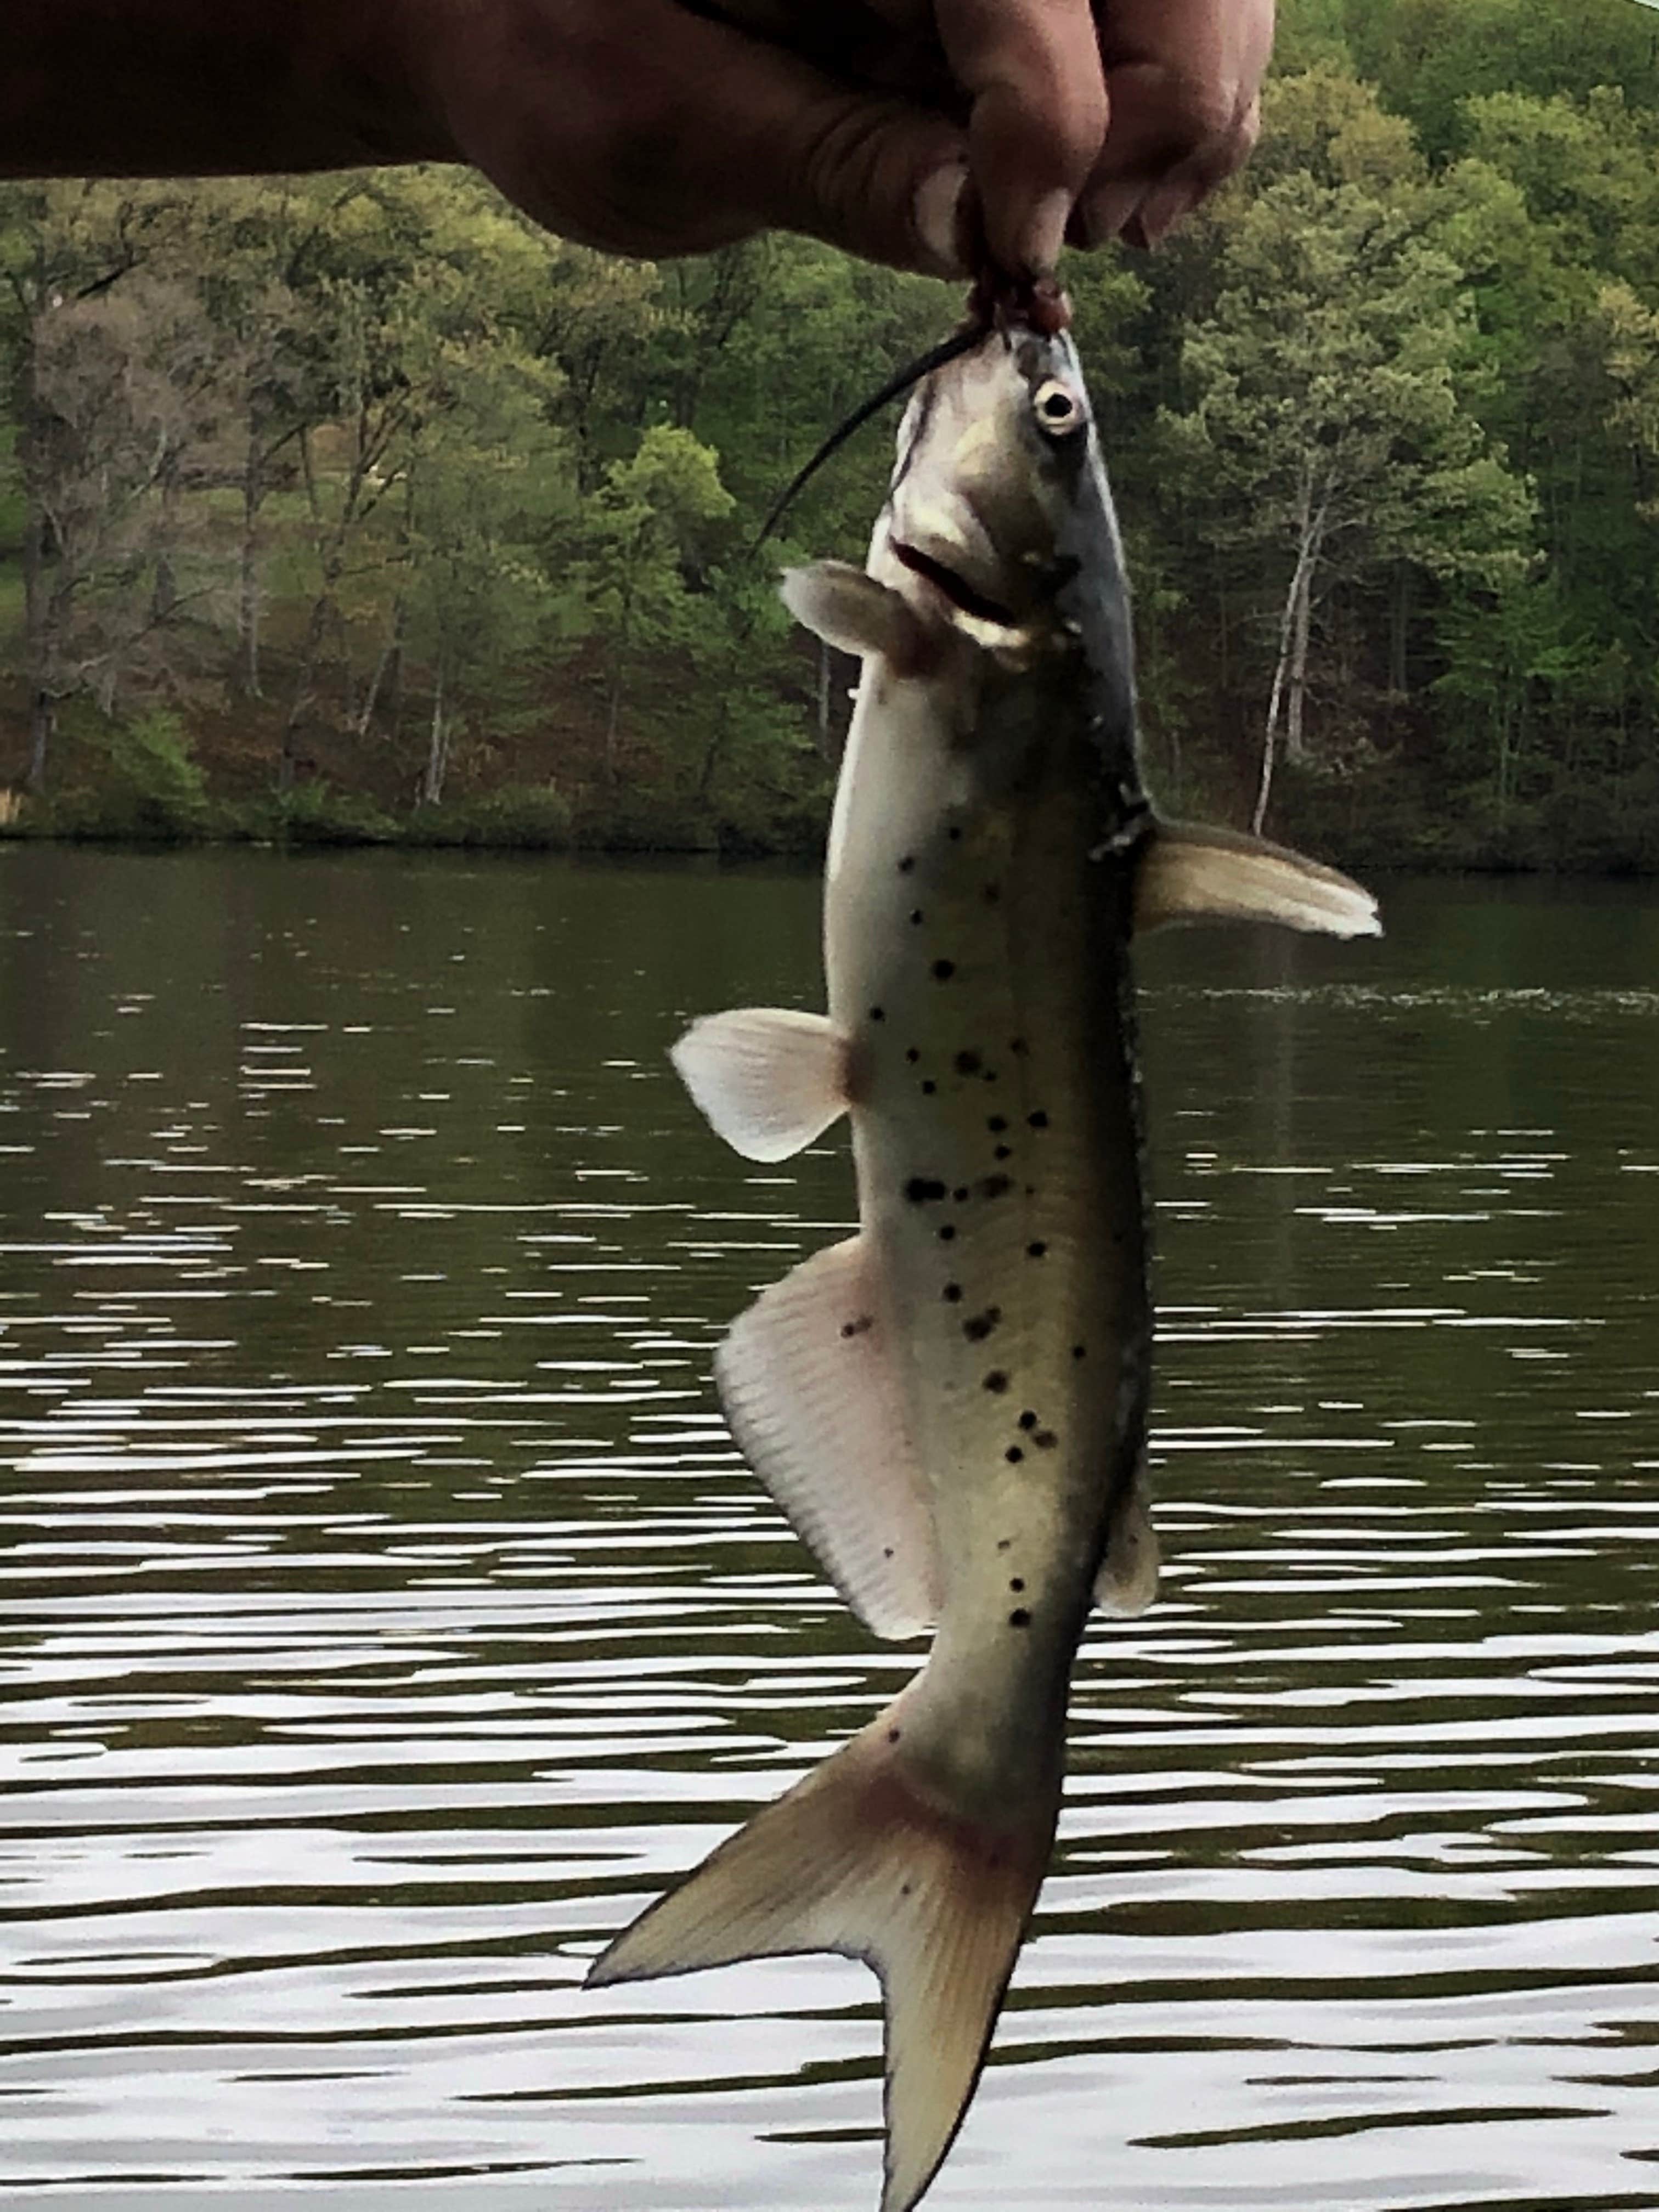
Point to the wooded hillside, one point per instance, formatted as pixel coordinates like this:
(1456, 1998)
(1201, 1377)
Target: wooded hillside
(354, 506)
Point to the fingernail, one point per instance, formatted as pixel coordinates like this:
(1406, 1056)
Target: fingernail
(1045, 234)
(1161, 210)
(937, 213)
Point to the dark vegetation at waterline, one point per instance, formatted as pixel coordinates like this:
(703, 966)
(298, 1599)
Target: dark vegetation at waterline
(353, 509)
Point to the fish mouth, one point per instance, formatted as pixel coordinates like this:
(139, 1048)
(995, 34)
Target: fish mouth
(953, 586)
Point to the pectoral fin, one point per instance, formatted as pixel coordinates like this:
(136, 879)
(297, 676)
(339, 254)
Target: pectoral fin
(807, 1381)
(847, 607)
(1189, 874)
(769, 1080)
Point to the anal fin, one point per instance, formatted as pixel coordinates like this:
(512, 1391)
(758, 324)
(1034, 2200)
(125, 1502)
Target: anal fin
(807, 1380)
(1190, 874)
(768, 1079)
(1127, 1581)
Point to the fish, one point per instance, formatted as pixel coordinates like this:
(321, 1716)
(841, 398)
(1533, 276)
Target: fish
(950, 1405)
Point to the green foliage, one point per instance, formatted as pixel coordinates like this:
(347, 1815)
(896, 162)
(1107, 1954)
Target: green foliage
(526, 818)
(1431, 59)
(312, 813)
(625, 820)
(134, 782)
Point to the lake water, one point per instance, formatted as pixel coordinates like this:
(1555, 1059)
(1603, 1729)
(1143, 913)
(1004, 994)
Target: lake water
(386, 1615)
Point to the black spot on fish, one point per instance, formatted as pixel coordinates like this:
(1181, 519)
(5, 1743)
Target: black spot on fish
(943, 969)
(915, 914)
(907, 863)
(1017, 1584)
(1005, 1543)
(1018, 1047)
(1003, 1152)
(878, 1013)
(979, 1325)
(1028, 1420)
(1035, 1251)
(1013, 1455)
(953, 1294)
(1045, 1440)
(1019, 1618)
(947, 1235)
(921, 1188)
(955, 835)
(996, 1380)
(887, 1550)
(912, 1054)
(990, 1075)
(960, 1193)
(996, 1186)
(993, 893)
(893, 1736)
(862, 1326)
(1037, 1121)
(928, 1088)
(1080, 1351)
(997, 1124)
(967, 1063)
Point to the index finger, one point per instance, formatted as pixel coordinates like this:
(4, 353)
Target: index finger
(1032, 71)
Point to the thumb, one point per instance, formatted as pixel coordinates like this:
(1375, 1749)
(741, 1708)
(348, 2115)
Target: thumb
(871, 172)
(774, 143)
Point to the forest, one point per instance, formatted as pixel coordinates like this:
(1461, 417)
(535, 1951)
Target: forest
(354, 508)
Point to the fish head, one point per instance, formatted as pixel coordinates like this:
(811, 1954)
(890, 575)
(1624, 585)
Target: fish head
(999, 520)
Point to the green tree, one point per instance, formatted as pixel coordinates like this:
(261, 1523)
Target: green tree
(98, 412)
(649, 530)
(1431, 59)
(1326, 419)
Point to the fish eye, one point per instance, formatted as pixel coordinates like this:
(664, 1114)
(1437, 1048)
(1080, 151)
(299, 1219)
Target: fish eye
(1057, 407)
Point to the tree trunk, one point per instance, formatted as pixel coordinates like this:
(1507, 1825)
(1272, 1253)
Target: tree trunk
(1291, 669)
(37, 647)
(390, 660)
(437, 753)
(394, 710)
(287, 761)
(1295, 747)
(43, 728)
(38, 599)
(613, 716)
(247, 604)
(1275, 697)
(164, 588)
(343, 641)
(1400, 613)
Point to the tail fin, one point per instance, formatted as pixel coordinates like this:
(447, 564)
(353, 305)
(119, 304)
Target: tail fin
(856, 1859)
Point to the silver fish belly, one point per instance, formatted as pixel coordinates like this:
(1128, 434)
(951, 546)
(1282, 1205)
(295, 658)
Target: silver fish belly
(950, 1405)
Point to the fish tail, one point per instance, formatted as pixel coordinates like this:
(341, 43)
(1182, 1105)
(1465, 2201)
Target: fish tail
(861, 1858)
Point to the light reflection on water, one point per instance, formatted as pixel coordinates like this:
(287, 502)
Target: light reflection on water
(386, 1615)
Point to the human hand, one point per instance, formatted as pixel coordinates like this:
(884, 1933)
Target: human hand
(1183, 81)
(890, 127)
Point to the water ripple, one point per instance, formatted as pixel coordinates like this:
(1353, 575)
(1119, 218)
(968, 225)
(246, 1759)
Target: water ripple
(388, 1614)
